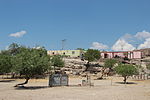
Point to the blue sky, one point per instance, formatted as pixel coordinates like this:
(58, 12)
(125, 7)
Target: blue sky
(97, 24)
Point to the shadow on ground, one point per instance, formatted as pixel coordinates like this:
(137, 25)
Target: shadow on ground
(30, 87)
(126, 83)
(100, 79)
(7, 80)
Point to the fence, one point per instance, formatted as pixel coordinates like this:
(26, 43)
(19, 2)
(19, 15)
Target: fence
(58, 80)
(141, 77)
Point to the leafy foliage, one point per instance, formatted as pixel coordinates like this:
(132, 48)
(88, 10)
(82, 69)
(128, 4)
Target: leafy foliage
(80, 49)
(31, 62)
(13, 48)
(5, 63)
(92, 55)
(148, 66)
(109, 63)
(57, 61)
(107, 68)
(28, 62)
(126, 70)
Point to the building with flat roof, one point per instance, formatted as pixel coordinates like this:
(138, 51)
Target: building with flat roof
(69, 53)
(136, 54)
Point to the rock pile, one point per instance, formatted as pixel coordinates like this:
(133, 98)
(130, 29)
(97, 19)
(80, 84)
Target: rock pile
(74, 66)
(77, 67)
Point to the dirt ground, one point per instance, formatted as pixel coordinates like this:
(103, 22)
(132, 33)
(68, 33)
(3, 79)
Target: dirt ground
(102, 90)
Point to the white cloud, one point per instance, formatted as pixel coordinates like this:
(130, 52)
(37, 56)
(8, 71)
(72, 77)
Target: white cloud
(18, 34)
(142, 35)
(146, 44)
(127, 37)
(139, 36)
(122, 45)
(100, 46)
(126, 42)
(37, 47)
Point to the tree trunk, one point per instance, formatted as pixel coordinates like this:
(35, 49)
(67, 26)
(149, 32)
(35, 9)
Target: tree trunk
(12, 75)
(87, 66)
(54, 69)
(27, 79)
(125, 79)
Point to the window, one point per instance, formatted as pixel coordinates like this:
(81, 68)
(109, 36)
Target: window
(73, 52)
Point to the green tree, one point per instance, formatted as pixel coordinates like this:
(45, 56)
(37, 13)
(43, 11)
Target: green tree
(31, 62)
(5, 63)
(80, 49)
(126, 70)
(108, 65)
(13, 48)
(8, 57)
(148, 66)
(91, 55)
(57, 61)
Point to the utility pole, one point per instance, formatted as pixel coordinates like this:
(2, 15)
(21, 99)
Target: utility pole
(122, 47)
(63, 43)
(136, 46)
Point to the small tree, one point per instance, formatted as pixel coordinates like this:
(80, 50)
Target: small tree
(31, 62)
(109, 63)
(91, 55)
(148, 66)
(80, 49)
(57, 61)
(126, 70)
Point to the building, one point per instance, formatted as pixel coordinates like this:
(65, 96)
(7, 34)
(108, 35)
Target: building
(136, 54)
(69, 53)
(145, 52)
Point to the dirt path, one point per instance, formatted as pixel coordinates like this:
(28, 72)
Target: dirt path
(103, 90)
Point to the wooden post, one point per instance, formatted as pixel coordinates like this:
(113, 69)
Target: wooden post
(111, 81)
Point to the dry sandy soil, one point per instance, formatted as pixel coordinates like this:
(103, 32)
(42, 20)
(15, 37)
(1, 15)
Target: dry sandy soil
(102, 90)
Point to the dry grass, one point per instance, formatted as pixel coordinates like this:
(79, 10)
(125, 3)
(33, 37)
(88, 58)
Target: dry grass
(37, 89)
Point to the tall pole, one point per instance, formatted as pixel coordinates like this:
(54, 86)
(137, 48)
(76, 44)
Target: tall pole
(136, 46)
(63, 43)
(122, 47)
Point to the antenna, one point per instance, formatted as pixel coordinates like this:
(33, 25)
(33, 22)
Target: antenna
(63, 43)
(122, 47)
(136, 46)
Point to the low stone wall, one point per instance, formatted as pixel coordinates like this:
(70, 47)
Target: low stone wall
(141, 77)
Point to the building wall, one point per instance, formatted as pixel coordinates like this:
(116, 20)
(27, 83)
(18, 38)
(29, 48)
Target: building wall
(135, 55)
(70, 53)
(129, 54)
(112, 54)
(78, 53)
(145, 52)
